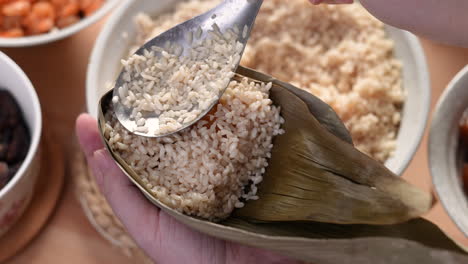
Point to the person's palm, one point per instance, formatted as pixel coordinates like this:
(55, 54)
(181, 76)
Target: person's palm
(163, 238)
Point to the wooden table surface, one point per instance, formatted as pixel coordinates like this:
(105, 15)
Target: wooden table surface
(58, 72)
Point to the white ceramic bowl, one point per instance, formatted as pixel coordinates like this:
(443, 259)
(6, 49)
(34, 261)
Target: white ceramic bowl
(111, 46)
(16, 195)
(443, 146)
(62, 33)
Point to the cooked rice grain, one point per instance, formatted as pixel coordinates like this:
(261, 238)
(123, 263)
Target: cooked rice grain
(340, 53)
(204, 170)
(178, 89)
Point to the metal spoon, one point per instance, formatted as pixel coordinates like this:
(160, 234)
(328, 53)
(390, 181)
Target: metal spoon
(227, 15)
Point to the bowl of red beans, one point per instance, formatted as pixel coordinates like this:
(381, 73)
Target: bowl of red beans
(34, 22)
(20, 136)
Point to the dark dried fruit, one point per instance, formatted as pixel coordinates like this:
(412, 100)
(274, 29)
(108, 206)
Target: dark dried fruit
(5, 134)
(14, 137)
(3, 150)
(19, 144)
(4, 177)
(10, 114)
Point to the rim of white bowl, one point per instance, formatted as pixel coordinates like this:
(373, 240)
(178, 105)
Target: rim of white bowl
(35, 131)
(92, 74)
(447, 114)
(416, 49)
(420, 58)
(61, 33)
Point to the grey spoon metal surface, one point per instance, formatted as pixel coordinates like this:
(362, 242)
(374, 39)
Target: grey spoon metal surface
(227, 15)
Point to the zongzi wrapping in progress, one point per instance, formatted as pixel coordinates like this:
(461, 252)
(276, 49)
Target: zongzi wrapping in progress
(271, 150)
(214, 166)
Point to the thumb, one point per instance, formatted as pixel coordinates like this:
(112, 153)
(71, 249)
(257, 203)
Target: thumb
(154, 231)
(126, 201)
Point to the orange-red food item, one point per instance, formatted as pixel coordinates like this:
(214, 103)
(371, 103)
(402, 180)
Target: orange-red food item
(12, 33)
(67, 21)
(30, 17)
(18, 8)
(72, 8)
(41, 19)
(91, 8)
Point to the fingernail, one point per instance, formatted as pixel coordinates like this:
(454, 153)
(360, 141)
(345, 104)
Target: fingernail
(98, 163)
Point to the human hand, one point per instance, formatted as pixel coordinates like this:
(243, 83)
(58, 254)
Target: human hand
(442, 21)
(317, 2)
(163, 238)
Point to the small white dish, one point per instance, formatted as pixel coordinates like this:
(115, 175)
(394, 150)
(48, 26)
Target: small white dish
(112, 45)
(443, 145)
(62, 33)
(17, 193)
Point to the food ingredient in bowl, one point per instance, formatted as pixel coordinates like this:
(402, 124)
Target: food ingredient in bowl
(14, 137)
(20, 18)
(178, 87)
(463, 141)
(339, 53)
(212, 167)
